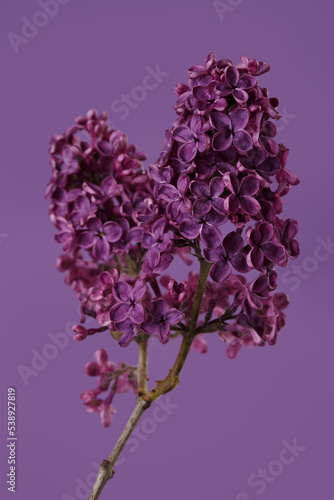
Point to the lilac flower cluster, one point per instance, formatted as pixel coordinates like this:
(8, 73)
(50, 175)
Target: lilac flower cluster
(215, 193)
(222, 168)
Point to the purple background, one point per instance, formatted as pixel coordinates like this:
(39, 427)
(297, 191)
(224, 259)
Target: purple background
(232, 416)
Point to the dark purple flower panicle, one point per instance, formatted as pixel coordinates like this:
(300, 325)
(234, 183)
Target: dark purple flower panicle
(224, 137)
(215, 193)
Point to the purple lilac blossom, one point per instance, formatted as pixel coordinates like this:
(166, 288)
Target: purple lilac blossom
(217, 189)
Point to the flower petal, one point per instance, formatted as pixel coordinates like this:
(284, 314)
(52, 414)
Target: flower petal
(135, 234)
(216, 186)
(231, 204)
(137, 313)
(196, 125)
(239, 118)
(234, 348)
(233, 243)
(139, 290)
(122, 291)
(199, 188)
(246, 82)
(94, 225)
(242, 140)
(163, 333)
(183, 134)
(215, 254)
(112, 231)
(153, 257)
(232, 75)
(289, 229)
(220, 121)
(239, 262)
(211, 236)
(85, 239)
(220, 271)
(190, 229)
(148, 240)
(219, 205)
(269, 129)
(255, 258)
(151, 326)
(221, 141)
(101, 356)
(249, 186)
(201, 207)
(249, 205)
(168, 192)
(266, 232)
(273, 251)
(201, 93)
(220, 104)
(270, 165)
(101, 249)
(187, 151)
(159, 308)
(119, 312)
(126, 338)
(240, 95)
(224, 89)
(270, 145)
(231, 182)
(173, 316)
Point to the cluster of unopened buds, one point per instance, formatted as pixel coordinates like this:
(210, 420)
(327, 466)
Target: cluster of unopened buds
(214, 195)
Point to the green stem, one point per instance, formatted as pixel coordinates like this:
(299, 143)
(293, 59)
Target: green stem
(212, 326)
(172, 379)
(142, 364)
(106, 471)
(202, 279)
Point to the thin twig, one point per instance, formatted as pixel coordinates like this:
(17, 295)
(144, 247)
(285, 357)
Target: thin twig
(106, 471)
(209, 326)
